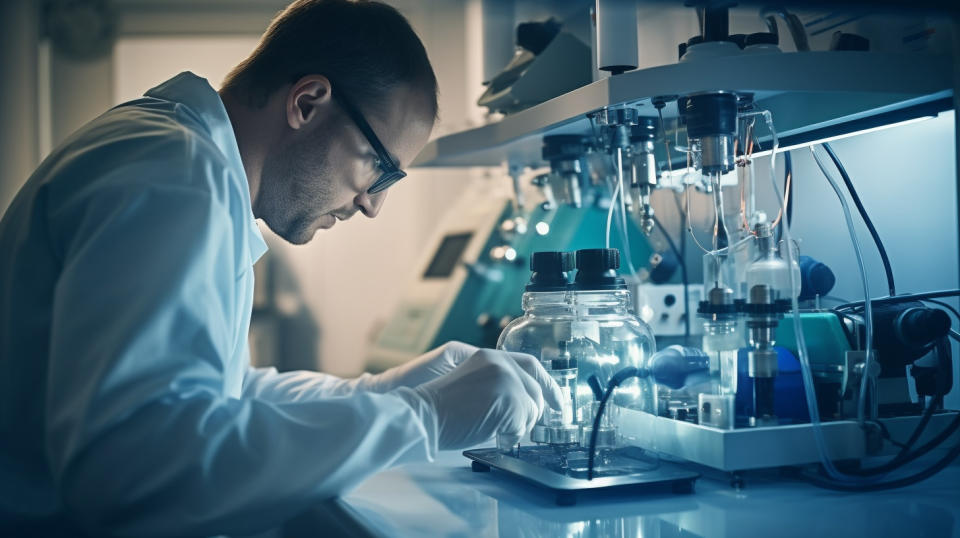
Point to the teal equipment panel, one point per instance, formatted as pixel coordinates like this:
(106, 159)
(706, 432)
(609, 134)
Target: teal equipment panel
(826, 341)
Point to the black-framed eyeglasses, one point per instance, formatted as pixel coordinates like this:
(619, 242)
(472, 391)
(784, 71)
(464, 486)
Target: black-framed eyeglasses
(390, 173)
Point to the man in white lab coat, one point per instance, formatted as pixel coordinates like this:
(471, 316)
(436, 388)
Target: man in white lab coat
(127, 402)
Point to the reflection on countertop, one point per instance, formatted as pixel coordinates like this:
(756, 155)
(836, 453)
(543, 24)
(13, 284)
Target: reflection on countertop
(447, 499)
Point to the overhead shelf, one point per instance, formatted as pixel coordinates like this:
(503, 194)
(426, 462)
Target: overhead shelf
(807, 92)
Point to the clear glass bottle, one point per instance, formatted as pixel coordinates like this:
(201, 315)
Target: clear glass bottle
(582, 334)
(606, 337)
(770, 269)
(721, 337)
(544, 332)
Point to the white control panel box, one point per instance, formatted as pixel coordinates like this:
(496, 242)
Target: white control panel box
(661, 306)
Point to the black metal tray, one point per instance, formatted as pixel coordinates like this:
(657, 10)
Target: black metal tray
(564, 472)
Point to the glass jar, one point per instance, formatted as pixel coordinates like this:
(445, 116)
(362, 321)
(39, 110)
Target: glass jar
(582, 334)
(722, 339)
(544, 332)
(607, 337)
(770, 269)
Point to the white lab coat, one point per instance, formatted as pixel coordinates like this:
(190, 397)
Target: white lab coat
(127, 402)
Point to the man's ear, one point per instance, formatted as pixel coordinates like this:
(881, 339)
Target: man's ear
(308, 98)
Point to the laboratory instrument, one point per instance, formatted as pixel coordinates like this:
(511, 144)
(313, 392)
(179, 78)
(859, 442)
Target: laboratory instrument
(789, 381)
(584, 335)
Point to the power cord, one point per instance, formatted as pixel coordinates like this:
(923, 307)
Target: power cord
(893, 484)
(902, 298)
(615, 382)
(788, 188)
(906, 455)
(901, 458)
(866, 218)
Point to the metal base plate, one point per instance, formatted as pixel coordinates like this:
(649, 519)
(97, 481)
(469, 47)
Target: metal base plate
(763, 447)
(564, 472)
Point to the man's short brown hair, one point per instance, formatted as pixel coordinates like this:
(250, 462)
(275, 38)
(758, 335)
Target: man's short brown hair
(365, 48)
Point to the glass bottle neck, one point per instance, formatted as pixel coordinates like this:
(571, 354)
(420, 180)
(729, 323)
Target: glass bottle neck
(601, 301)
(615, 302)
(545, 302)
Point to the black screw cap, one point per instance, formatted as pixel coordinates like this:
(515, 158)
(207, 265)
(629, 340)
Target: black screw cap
(549, 271)
(597, 270)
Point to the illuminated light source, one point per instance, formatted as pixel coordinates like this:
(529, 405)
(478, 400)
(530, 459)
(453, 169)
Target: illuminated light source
(508, 225)
(542, 228)
(509, 254)
(844, 135)
(497, 253)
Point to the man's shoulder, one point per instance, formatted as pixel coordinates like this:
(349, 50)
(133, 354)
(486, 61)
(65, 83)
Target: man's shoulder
(161, 130)
(147, 143)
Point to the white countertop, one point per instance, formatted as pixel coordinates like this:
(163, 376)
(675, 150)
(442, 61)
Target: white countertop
(446, 498)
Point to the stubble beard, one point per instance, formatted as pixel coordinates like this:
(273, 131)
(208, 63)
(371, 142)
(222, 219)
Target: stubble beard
(295, 192)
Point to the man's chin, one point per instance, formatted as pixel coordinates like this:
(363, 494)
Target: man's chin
(298, 233)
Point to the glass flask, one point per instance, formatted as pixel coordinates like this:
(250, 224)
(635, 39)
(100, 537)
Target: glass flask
(770, 269)
(583, 334)
(544, 332)
(606, 337)
(721, 335)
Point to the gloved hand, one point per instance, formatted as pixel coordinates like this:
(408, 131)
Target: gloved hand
(426, 367)
(492, 392)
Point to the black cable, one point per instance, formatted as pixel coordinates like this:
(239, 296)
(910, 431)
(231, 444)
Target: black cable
(904, 457)
(893, 484)
(787, 179)
(907, 480)
(594, 383)
(615, 382)
(901, 458)
(683, 277)
(903, 298)
(866, 218)
(788, 190)
(936, 441)
(885, 433)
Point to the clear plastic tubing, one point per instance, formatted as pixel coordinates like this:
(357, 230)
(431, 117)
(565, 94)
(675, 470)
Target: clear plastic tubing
(623, 214)
(805, 369)
(721, 238)
(623, 221)
(868, 310)
(613, 204)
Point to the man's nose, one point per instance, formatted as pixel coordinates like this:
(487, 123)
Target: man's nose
(370, 204)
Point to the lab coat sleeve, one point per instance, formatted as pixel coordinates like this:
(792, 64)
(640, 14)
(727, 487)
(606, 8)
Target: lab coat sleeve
(298, 386)
(141, 436)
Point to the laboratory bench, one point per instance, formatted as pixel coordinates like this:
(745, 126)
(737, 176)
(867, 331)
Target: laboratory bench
(447, 498)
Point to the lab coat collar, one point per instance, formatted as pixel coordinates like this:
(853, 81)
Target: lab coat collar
(196, 93)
